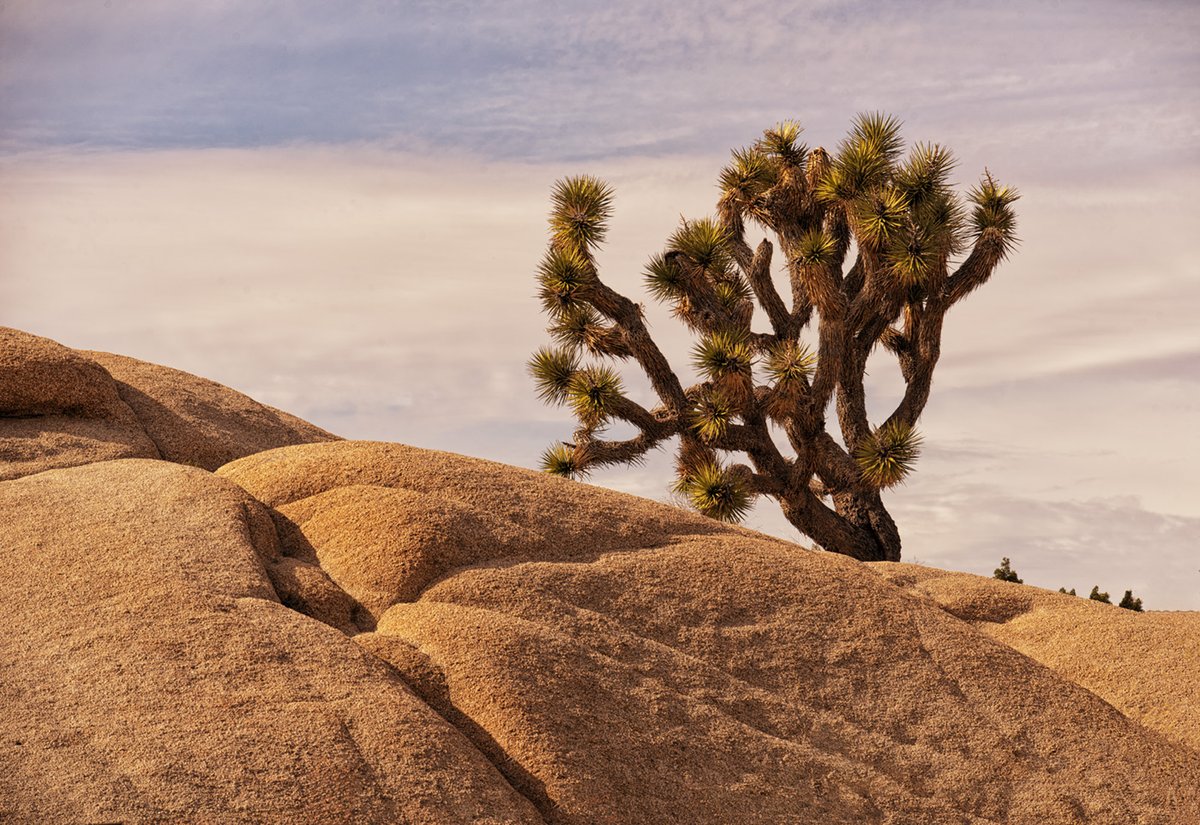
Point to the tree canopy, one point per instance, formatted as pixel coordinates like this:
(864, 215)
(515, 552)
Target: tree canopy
(875, 247)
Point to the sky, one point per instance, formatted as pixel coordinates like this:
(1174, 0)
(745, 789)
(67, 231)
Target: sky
(337, 208)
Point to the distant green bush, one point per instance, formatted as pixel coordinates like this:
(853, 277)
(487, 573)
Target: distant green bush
(1127, 601)
(1005, 573)
(1130, 603)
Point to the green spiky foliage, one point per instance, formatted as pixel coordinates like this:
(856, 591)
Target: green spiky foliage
(712, 414)
(790, 362)
(704, 245)
(888, 454)
(560, 460)
(593, 392)
(925, 175)
(749, 175)
(581, 209)
(873, 245)
(816, 248)
(581, 328)
(723, 355)
(552, 371)
(782, 143)
(789, 366)
(993, 216)
(716, 492)
(913, 256)
(879, 217)
(562, 275)
(664, 278)
(881, 133)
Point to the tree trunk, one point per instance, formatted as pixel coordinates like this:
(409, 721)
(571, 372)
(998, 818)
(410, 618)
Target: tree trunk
(860, 528)
(867, 513)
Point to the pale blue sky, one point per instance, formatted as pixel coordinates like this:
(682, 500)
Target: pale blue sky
(337, 208)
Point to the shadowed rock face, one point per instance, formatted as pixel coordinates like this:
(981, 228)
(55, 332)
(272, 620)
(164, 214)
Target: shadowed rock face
(368, 632)
(150, 672)
(59, 408)
(1147, 665)
(62, 408)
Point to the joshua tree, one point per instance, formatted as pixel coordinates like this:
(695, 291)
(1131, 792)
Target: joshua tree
(916, 251)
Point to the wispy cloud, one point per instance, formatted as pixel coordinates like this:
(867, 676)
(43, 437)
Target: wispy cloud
(540, 80)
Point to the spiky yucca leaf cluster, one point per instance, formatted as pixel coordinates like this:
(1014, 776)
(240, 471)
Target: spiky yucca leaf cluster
(993, 212)
(888, 454)
(816, 248)
(552, 371)
(577, 328)
(926, 173)
(696, 274)
(723, 355)
(592, 392)
(582, 328)
(750, 174)
(913, 256)
(880, 215)
(704, 244)
(664, 278)
(864, 159)
(935, 212)
(789, 365)
(782, 143)
(879, 133)
(581, 209)
(715, 492)
(712, 414)
(732, 295)
(562, 274)
(790, 361)
(560, 460)
(778, 156)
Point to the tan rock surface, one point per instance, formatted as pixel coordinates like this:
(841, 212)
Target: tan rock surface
(196, 421)
(1147, 665)
(63, 408)
(626, 662)
(147, 672)
(388, 634)
(59, 408)
(385, 520)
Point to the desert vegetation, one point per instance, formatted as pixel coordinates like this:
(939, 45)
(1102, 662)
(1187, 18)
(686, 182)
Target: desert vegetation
(1006, 573)
(877, 248)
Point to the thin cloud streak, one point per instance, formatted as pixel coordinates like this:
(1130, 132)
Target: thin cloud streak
(1025, 85)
